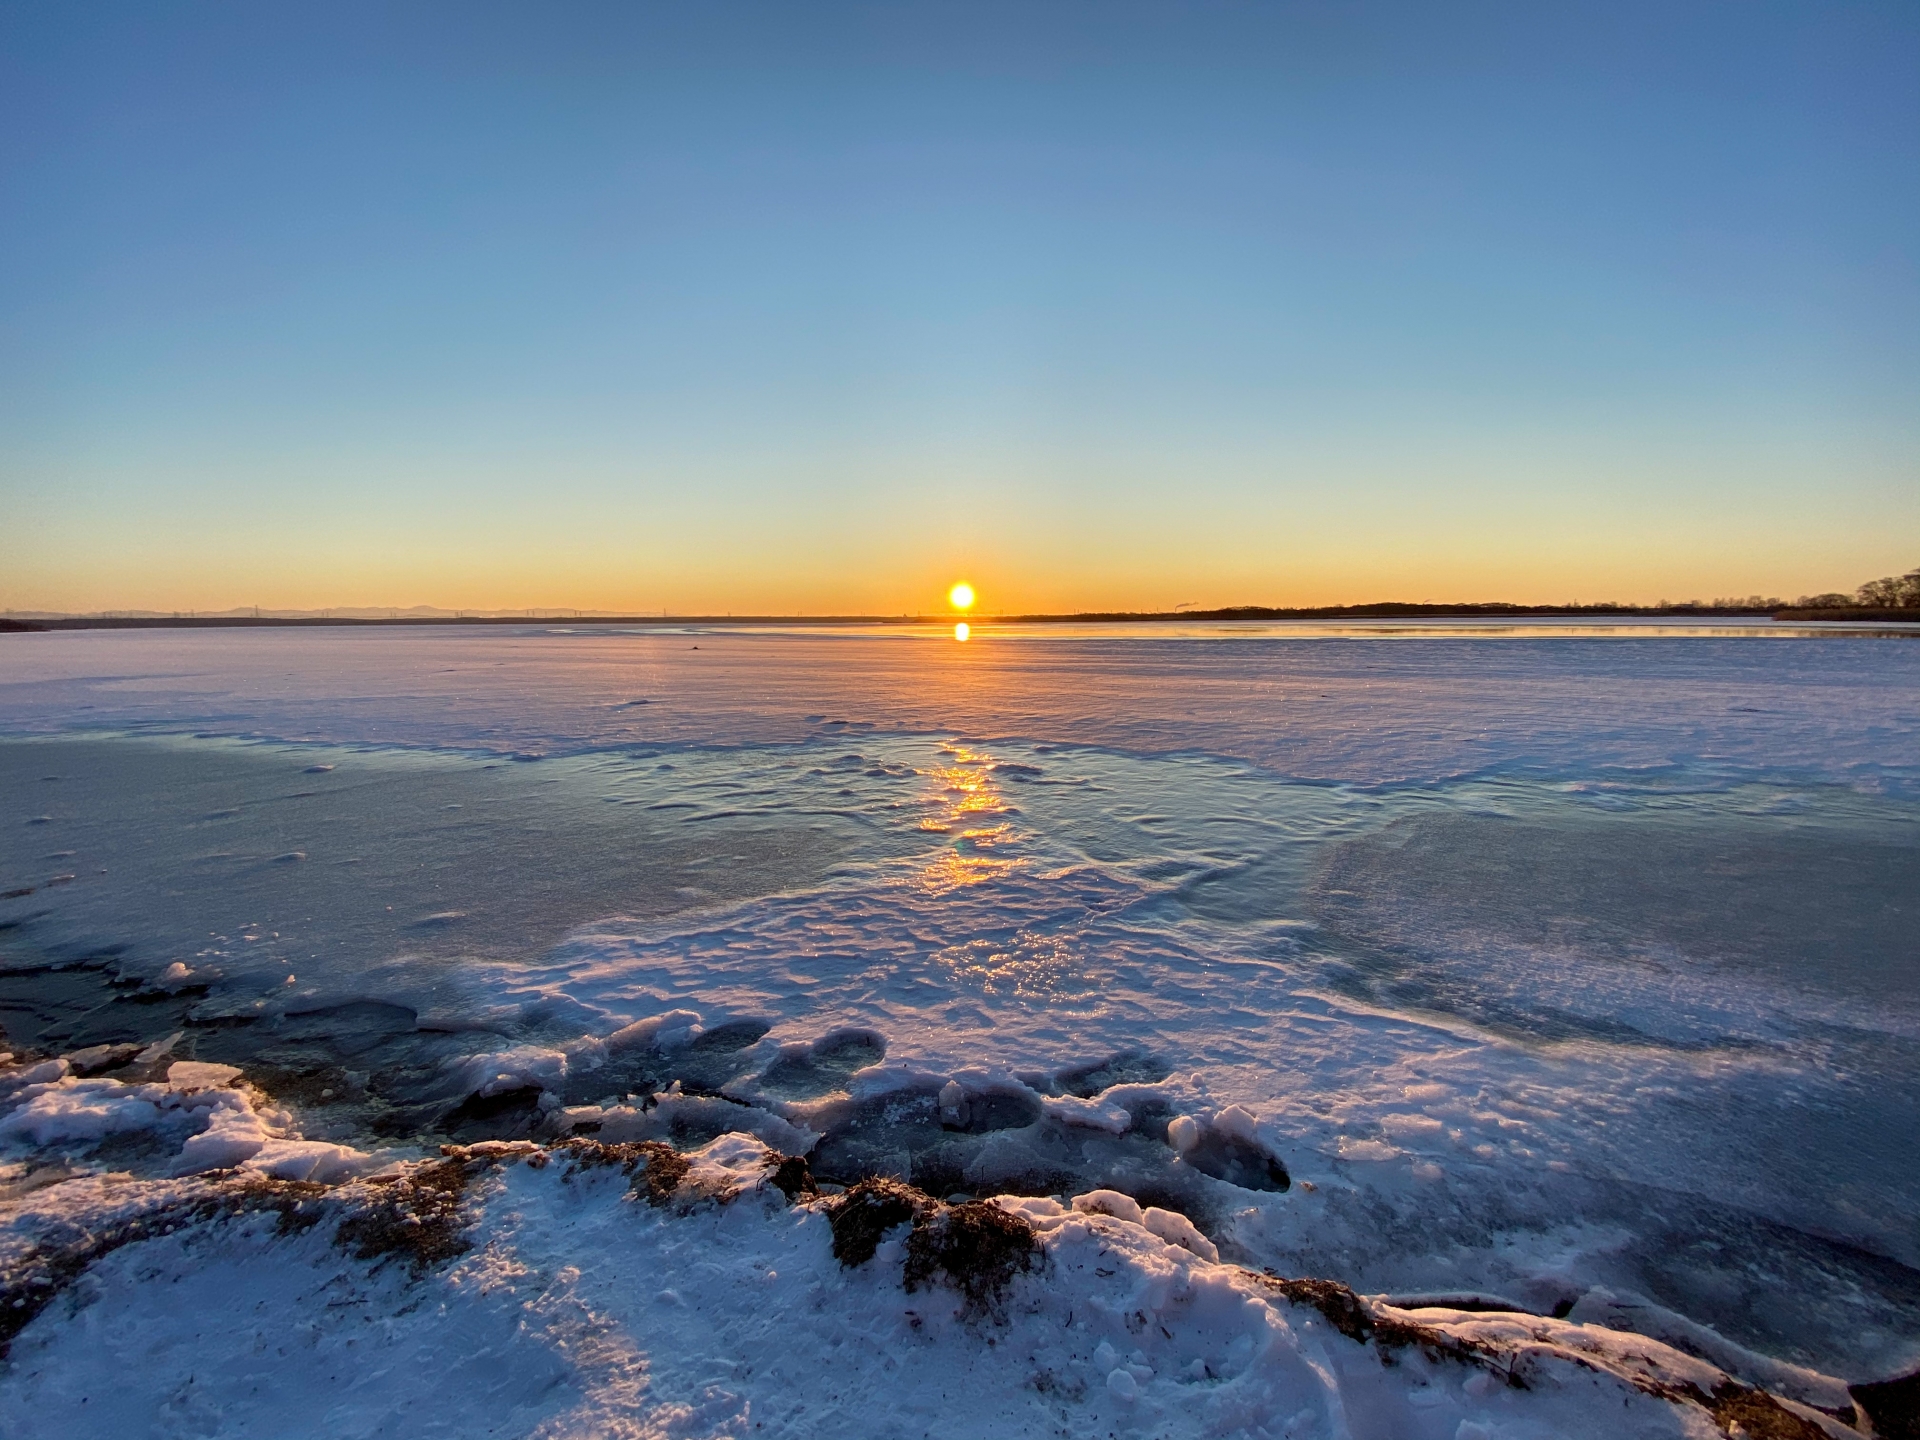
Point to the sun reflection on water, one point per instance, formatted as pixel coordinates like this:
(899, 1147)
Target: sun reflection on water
(968, 807)
(966, 804)
(1029, 965)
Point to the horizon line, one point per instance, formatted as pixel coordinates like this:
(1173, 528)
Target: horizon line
(256, 616)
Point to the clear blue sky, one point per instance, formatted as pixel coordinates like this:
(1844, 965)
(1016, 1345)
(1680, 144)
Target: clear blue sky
(820, 307)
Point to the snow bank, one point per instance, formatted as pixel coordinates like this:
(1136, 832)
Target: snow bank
(580, 1309)
(1170, 1225)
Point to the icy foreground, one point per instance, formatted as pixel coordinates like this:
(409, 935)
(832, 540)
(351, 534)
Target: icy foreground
(593, 1287)
(606, 1290)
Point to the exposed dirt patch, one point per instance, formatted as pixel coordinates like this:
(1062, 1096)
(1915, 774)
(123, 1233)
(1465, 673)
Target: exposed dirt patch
(977, 1247)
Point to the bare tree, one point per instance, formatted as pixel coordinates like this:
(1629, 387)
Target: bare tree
(1894, 592)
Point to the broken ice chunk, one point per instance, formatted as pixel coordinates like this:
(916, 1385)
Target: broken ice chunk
(160, 1049)
(1108, 1202)
(1174, 1228)
(953, 1106)
(199, 1075)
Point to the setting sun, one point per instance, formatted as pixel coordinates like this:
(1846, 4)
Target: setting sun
(961, 596)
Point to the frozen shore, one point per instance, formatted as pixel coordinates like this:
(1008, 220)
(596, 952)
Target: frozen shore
(583, 1288)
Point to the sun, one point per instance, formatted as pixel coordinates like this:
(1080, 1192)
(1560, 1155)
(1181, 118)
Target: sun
(961, 596)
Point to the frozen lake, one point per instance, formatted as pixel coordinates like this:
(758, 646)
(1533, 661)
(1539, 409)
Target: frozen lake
(1576, 967)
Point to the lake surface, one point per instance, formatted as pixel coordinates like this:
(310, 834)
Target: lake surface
(1553, 961)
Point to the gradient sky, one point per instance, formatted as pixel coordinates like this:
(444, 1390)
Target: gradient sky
(816, 308)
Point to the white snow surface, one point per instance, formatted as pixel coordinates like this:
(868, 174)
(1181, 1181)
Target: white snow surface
(583, 1311)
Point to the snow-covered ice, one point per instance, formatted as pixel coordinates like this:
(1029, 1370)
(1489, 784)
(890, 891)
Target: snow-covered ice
(583, 1310)
(1501, 978)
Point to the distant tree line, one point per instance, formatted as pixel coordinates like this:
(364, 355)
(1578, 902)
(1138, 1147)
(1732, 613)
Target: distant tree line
(1891, 592)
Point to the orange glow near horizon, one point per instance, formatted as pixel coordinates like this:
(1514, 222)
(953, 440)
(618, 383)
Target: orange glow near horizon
(220, 569)
(961, 596)
(962, 631)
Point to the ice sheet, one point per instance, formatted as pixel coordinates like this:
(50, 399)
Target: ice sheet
(1346, 709)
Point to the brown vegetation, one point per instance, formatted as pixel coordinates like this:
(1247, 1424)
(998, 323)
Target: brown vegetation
(657, 1168)
(1755, 1415)
(1358, 1321)
(792, 1177)
(976, 1247)
(416, 1217)
(863, 1215)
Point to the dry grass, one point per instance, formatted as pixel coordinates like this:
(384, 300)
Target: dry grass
(416, 1217)
(977, 1248)
(1756, 1415)
(867, 1211)
(792, 1177)
(656, 1167)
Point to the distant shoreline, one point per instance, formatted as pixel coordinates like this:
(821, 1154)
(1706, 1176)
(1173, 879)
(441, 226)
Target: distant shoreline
(1382, 610)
